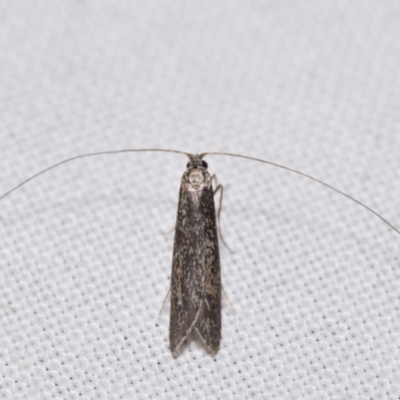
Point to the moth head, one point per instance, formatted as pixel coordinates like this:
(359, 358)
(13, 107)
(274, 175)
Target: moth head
(196, 161)
(196, 173)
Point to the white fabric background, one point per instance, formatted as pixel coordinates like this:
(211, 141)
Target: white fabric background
(315, 279)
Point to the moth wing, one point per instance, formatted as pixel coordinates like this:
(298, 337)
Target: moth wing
(208, 326)
(196, 278)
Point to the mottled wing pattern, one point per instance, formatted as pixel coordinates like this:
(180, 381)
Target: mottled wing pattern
(196, 277)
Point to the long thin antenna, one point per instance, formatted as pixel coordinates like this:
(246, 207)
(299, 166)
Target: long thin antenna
(306, 176)
(201, 156)
(99, 153)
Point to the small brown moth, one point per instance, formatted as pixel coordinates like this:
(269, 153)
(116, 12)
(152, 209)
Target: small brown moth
(196, 276)
(196, 273)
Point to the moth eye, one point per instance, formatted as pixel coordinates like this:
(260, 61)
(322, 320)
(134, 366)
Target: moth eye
(204, 164)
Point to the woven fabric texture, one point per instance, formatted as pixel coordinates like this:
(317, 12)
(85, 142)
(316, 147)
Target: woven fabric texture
(85, 261)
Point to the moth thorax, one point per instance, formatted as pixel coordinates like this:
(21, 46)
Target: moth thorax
(197, 177)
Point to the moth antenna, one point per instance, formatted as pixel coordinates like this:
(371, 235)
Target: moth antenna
(306, 176)
(99, 153)
(190, 156)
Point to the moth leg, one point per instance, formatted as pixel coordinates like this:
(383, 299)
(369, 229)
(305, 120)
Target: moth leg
(169, 232)
(228, 300)
(214, 178)
(220, 188)
(165, 300)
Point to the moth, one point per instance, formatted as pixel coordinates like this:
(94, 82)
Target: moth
(196, 273)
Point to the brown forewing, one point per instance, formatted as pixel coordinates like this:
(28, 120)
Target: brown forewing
(196, 277)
